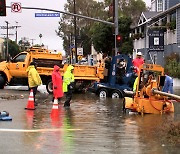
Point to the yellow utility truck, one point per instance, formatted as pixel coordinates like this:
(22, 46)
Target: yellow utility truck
(13, 72)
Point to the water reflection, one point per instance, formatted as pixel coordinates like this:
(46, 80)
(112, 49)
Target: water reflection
(68, 135)
(93, 125)
(29, 118)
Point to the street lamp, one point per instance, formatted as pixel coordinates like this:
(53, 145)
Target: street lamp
(40, 36)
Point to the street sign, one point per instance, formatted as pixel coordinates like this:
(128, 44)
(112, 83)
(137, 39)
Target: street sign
(16, 7)
(47, 14)
(156, 40)
(79, 51)
(5, 27)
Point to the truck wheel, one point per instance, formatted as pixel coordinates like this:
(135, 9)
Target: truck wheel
(2, 82)
(49, 87)
(116, 94)
(103, 93)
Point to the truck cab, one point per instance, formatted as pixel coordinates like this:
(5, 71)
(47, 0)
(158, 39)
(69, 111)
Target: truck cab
(18, 65)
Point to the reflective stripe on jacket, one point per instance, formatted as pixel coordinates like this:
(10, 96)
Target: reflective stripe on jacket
(135, 84)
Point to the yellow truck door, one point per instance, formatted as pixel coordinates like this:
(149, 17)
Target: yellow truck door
(17, 66)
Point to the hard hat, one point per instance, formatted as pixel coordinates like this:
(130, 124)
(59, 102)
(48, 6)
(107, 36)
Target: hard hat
(139, 53)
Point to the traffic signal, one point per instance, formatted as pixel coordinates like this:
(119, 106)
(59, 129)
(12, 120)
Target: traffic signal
(118, 40)
(2, 7)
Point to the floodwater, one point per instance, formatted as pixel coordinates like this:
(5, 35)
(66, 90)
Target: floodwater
(91, 125)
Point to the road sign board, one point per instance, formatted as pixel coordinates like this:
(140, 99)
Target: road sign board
(79, 51)
(156, 40)
(16, 7)
(5, 27)
(47, 14)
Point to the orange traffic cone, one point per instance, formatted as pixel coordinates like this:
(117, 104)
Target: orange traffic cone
(55, 109)
(30, 104)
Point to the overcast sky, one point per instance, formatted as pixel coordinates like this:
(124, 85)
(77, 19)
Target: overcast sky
(32, 26)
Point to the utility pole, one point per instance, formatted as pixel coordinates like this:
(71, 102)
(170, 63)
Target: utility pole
(116, 24)
(11, 27)
(75, 34)
(16, 31)
(7, 38)
(71, 52)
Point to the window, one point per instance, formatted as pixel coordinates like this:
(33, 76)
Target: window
(159, 5)
(20, 58)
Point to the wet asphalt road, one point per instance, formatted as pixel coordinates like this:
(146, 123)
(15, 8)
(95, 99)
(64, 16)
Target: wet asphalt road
(90, 126)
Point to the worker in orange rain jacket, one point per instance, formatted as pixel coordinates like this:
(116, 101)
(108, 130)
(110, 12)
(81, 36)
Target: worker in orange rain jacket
(138, 61)
(57, 83)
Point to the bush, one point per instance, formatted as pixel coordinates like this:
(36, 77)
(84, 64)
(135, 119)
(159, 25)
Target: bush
(172, 66)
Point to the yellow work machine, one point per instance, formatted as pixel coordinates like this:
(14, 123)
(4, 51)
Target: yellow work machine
(148, 96)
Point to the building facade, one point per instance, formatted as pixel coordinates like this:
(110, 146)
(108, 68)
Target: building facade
(164, 14)
(162, 5)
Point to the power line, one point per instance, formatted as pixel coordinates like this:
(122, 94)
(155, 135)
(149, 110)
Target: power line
(12, 27)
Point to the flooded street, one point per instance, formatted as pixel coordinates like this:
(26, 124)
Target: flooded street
(91, 125)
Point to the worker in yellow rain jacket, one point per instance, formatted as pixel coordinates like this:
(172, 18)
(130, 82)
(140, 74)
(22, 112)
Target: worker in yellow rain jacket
(68, 84)
(34, 80)
(135, 84)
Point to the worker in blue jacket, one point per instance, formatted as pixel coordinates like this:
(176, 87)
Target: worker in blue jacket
(168, 84)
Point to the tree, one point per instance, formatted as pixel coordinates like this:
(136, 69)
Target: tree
(24, 44)
(13, 48)
(85, 40)
(65, 30)
(89, 30)
(103, 36)
(172, 65)
(130, 8)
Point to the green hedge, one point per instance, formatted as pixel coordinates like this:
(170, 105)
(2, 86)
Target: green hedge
(172, 66)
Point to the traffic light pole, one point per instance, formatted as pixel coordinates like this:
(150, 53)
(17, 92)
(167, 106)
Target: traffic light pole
(68, 13)
(115, 24)
(75, 33)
